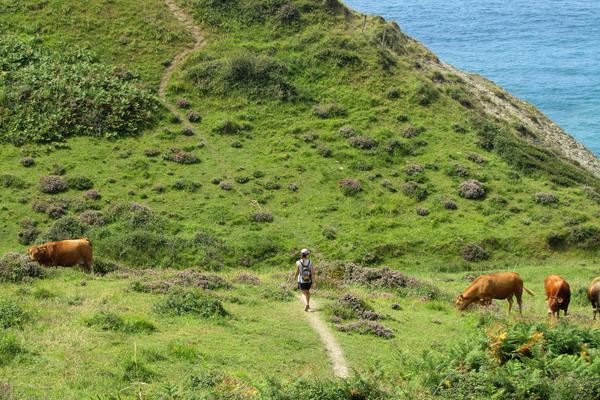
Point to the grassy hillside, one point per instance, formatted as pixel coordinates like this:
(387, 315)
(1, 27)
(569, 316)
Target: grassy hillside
(299, 124)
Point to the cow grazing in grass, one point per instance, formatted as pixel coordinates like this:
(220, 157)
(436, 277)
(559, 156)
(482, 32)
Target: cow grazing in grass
(558, 294)
(593, 294)
(66, 253)
(501, 285)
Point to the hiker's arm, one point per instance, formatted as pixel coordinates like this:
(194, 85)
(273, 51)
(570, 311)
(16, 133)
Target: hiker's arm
(314, 277)
(296, 272)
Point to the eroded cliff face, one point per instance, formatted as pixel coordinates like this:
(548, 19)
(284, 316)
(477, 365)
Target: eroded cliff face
(540, 130)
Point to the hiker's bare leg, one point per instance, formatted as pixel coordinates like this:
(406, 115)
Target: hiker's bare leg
(305, 299)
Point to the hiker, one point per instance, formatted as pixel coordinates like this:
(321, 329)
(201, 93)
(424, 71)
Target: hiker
(305, 274)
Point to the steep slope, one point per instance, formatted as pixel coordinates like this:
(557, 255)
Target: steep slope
(313, 126)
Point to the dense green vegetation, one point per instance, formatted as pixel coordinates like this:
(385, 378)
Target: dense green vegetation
(307, 125)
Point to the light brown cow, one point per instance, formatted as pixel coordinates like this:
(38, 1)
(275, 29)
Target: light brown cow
(66, 253)
(558, 294)
(593, 294)
(501, 285)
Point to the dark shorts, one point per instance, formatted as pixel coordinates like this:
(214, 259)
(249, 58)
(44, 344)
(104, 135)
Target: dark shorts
(304, 286)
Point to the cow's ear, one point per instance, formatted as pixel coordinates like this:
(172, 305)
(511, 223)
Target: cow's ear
(560, 300)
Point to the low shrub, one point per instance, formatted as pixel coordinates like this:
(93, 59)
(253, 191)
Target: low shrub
(292, 187)
(79, 183)
(66, 228)
(92, 195)
(11, 315)
(16, 267)
(545, 198)
(262, 217)
(423, 212)
(192, 303)
(472, 190)
(449, 204)
(187, 185)
(277, 293)
(187, 132)
(231, 128)
(329, 110)
(136, 371)
(103, 267)
(413, 169)
(110, 321)
(288, 14)
(347, 131)
(349, 186)
(193, 116)
(226, 186)
(476, 158)
(425, 94)
(325, 151)
(11, 181)
(27, 162)
(412, 131)
(183, 103)
(414, 190)
(28, 233)
(364, 327)
(247, 278)
(362, 142)
(53, 184)
(181, 157)
(151, 152)
(473, 252)
(10, 348)
(92, 217)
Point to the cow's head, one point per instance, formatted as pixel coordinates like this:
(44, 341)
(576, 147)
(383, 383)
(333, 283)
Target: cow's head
(38, 253)
(460, 302)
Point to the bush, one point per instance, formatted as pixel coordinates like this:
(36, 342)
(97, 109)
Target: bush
(350, 187)
(193, 116)
(187, 132)
(181, 157)
(347, 131)
(243, 73)
(11, 181)
(225, 186)
(423, 212)
(190, 303)
(288, 14)
(183, 103)
(151, 152)
(66, 228)
(247, 278)
(362, 142)
(187, 185)
(79, 183)
(449, 204)
(109, 321)
(53, 184)
(473, 253)
(325, 151)
(411, 132)
(414, 190)
(92, 195)
(66, 93)
(136, 371)
(261, 217)
(366, 328)
(27, 162)
(92, 217)
(231, 128)
(277, 293)
(9, 349)
(11, 315)
(103, 267)
(472, 190)
(29, 232)
(292, 187)
(413, 169)
(16, 267)
(545, 198)
(329, 110)
(425, 94)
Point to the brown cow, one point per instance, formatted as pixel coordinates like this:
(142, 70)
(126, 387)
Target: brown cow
(558, 294)
(593, 294)
(66, 253)
(501, 285)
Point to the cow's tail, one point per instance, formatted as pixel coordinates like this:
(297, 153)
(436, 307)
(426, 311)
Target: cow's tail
(528, 291)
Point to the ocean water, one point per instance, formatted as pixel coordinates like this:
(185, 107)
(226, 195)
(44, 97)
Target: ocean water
(544, 51)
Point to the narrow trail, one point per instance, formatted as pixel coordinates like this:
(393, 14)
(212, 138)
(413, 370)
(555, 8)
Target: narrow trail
(334, 351)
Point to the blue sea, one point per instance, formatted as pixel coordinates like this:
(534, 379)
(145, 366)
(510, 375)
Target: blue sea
(544, 51)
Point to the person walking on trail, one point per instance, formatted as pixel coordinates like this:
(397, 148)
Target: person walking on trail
(305, 274)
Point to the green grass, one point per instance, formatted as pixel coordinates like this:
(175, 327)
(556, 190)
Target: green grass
(275, 95)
